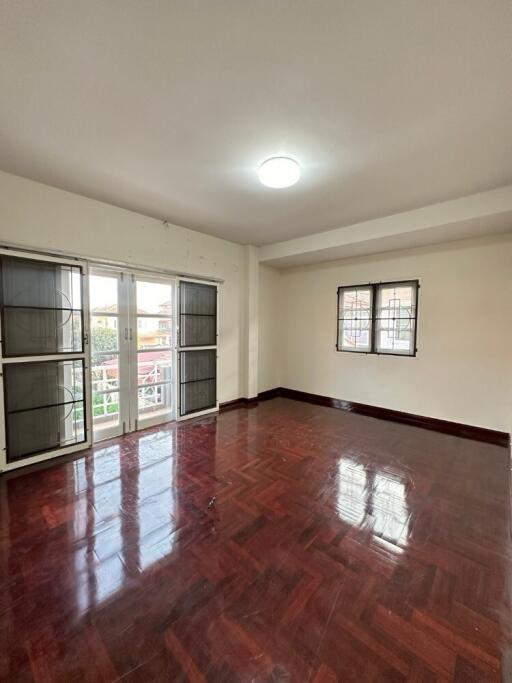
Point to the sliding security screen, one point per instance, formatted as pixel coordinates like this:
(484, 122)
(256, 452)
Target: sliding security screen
(198, 380)
(43, 358)
(198, 314)
(44, 406)
(41, 308)
(197, 352)
(378, 318)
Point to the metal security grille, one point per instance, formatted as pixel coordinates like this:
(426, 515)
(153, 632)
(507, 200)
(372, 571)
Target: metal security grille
(395, 318)
(197, 351)
(378, 318)
(355, 307)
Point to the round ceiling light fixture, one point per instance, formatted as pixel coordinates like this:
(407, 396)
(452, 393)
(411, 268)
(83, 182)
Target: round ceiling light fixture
(279, 172)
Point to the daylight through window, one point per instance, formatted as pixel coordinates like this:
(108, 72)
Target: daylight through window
(378, 318)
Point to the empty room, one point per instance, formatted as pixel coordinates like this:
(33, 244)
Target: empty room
(255, 341)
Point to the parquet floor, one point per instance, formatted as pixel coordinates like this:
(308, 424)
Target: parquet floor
(286, 542)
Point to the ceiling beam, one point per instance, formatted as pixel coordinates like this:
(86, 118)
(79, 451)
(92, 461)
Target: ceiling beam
(478, 214)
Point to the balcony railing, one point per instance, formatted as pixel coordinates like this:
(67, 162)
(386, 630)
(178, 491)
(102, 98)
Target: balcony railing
(151, 391)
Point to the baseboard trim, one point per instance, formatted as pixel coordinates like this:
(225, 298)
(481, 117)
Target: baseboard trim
(244, 402)
(459, 429)
(435, 424)
(270, 393)
(241, 402)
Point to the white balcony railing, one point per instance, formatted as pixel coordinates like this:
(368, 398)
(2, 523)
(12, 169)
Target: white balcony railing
(151, 396)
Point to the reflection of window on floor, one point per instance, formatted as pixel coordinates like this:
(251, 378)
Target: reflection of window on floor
(351, 501)
(374, 498)
(389, 508)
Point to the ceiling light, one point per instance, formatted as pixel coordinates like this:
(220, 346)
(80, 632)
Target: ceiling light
(279, 172)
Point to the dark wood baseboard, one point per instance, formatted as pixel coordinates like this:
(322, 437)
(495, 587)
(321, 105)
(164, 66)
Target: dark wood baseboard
(435, 424)
(445, 426)
(241, 402)
(270, 393)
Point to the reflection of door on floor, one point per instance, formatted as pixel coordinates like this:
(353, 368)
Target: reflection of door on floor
(132, 351)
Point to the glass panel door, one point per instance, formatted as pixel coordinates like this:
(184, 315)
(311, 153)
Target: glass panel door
(109, 352)
(153, 314)
(132, 351)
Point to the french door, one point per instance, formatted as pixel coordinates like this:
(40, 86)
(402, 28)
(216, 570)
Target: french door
(132, 351)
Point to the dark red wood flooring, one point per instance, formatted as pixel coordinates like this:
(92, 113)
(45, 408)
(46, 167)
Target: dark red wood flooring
(285, 542)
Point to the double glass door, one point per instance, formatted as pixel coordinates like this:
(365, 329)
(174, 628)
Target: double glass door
(132, 322)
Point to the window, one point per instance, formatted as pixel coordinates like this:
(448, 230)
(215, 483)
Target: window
(378, 318)
(355, 305)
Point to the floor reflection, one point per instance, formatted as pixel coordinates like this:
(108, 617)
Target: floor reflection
(390, 509)
(271, 543)
(351, 498)
(157, 500)
(124, 514)
(373, 499)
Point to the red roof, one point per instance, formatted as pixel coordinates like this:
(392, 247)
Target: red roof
(147, 356)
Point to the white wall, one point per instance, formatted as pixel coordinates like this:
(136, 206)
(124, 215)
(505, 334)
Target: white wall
(250, 318)
(270, 340)
(42, 217)
(463, 370)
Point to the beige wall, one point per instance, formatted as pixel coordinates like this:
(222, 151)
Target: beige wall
(270, 312)
(463, 370)
(42, 217)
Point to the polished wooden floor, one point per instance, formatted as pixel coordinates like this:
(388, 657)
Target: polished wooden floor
(285, 542)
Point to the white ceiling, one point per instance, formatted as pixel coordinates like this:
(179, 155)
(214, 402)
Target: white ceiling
(168, 108)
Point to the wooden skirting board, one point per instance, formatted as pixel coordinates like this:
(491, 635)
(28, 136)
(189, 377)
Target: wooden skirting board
(445, 426)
